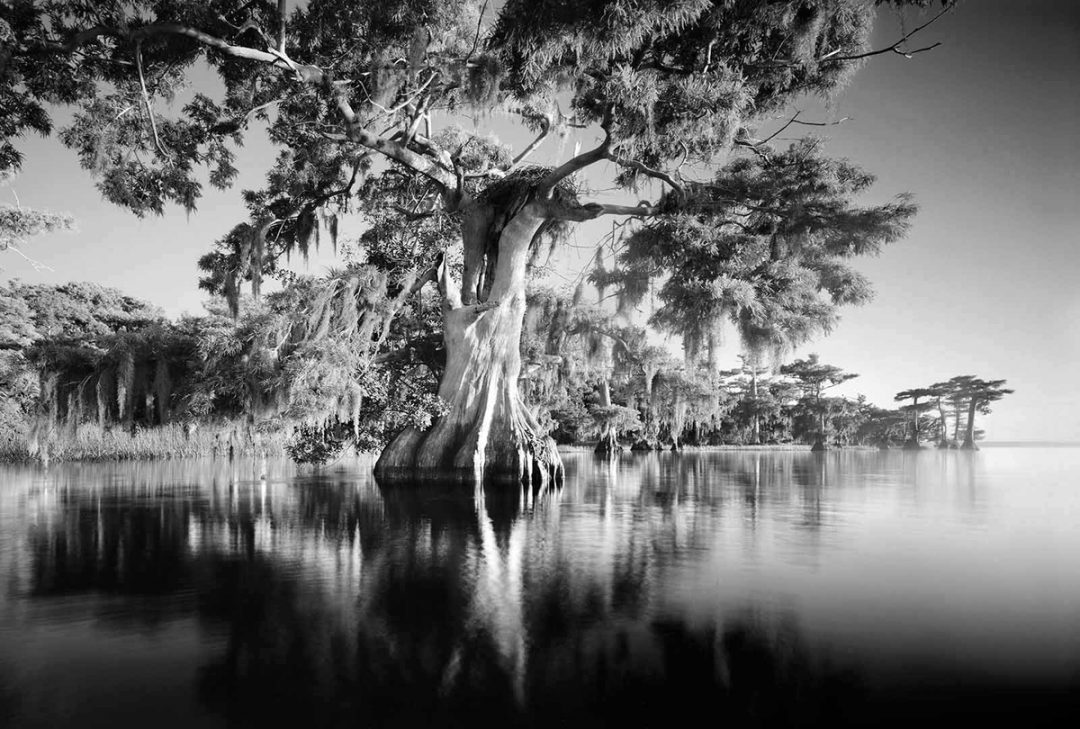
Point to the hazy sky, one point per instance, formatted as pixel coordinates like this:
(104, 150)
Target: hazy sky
(983, 130)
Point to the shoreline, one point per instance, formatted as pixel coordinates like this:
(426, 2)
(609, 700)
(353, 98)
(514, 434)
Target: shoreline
(168, 451)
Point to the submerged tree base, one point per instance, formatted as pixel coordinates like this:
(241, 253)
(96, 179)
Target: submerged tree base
(407, 461)
(608, 445)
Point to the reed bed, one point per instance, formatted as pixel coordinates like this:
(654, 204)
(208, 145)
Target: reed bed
(91, 443)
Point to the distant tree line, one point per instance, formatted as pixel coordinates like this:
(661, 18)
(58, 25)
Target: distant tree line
(85, 356)
(82, 356)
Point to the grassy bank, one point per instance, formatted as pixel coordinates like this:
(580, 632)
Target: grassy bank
(91, 443)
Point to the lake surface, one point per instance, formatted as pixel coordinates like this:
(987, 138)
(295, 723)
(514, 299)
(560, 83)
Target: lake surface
(754, 588)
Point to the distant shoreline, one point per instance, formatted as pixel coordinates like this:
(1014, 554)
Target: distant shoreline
(1030, 444)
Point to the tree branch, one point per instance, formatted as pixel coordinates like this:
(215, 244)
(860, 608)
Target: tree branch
(657, 174)
(591, 211)
(580, 162)
(305, 73)
(545, 130)
(832, 57)
(281, 18)
(895, 47)
(146, 100)
(644, 209)
(479, 25)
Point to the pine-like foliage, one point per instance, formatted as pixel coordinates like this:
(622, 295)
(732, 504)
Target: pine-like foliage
(763, 245)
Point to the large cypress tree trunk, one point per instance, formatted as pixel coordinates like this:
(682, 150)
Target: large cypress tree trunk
(488, 434)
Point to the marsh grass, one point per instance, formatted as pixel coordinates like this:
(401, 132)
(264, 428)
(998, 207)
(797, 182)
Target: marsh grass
(91, 443)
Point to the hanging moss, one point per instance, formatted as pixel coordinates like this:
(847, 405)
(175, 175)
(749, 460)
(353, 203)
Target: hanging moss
(483, 77)
(162, 390)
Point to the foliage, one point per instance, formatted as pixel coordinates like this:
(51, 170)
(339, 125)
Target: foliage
(762, 246)
(18, 224)
(315, 444)
(363, 99)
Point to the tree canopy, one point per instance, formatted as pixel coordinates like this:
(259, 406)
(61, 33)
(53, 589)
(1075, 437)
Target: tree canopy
(364, 101)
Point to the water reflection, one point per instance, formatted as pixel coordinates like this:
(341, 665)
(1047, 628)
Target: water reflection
(725, 584)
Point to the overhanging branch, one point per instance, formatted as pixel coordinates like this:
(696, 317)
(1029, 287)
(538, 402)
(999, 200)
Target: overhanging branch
(896, 47)
(648, 171)
(580, 162)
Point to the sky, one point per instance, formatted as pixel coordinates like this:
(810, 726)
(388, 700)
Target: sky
(983, 130)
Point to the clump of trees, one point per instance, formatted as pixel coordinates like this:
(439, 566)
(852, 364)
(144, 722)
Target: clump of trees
(79, 355)
(362, 98)
(957, 399)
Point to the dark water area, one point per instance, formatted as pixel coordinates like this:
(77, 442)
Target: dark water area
(738, 588)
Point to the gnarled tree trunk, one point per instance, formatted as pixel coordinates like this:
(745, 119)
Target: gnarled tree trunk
(608, 445)
(488, 434)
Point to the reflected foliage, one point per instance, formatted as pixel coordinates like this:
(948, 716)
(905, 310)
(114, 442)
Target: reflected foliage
(327, 602)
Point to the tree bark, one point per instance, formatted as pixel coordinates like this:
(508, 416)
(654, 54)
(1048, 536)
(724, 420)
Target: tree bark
(969, 434)
(943, 424)
(488, 435)
(913, 443)
(819, 444)
(608, 445)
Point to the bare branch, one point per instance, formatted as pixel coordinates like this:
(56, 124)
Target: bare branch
(831, 56)
(37, 265)
(591, 211)
(895, 47)
(755, 148)
(545, 130)
(657, 174)
(643, 209)
(479, 25)
(260, 107)
(571, 166)
(247, 25)
(796, 120)
(146, 100)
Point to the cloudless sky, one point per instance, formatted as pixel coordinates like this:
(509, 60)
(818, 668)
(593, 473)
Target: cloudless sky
(983, 130)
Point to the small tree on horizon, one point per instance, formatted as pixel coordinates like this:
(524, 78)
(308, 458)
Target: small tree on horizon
(916, 409)
(978, 394)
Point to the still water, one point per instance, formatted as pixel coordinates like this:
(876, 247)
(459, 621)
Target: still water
(748, 588)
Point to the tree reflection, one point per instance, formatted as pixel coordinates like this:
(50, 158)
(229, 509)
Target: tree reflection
(337, 603)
